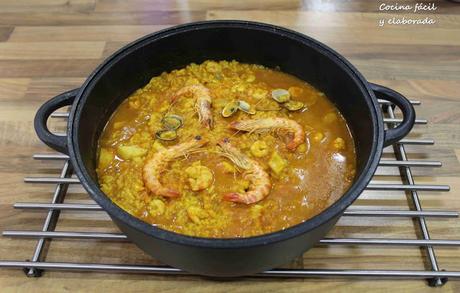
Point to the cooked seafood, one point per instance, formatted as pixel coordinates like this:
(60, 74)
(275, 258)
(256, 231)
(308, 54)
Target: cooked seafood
(273, 151)
(202, 104)
(159, 161)
(259, 180)
(273, 125)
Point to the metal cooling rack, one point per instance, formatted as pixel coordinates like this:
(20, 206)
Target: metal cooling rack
(432, 273)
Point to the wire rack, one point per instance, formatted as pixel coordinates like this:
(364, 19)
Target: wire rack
(435, 276)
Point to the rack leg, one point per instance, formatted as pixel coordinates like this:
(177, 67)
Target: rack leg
(50, 221)
(406, 174)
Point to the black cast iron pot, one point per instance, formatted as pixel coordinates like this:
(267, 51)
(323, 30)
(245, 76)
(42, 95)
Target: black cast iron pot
(134, 65)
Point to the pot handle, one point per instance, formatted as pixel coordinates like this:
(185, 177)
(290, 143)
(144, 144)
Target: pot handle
(59, 143)
(393, 135)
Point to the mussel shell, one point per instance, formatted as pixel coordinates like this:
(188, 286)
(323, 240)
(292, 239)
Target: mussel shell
(230, 109)
(281, 95)
(293, 105)
(172, 122)
(166, 134)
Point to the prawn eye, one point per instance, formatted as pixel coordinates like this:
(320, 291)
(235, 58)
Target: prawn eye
(226, 140)
(198, 137)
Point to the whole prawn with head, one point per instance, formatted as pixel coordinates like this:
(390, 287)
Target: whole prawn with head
(273, 124)
(159, 162)
(202, 104)
(259, 179)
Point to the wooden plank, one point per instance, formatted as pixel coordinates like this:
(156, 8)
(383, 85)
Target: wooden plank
(116, 18)
(419, 61)
(388, 69)
(194, 5)
(434, 93)
(100, 282)
(47, 68)
(112, 47)
(17, 132)
(83, 33)
(28, 94)
(267, 5)
(319, 19)
(5, 32)
(47, 5)
(342, 29)
(13, 89)
(386, 36)
(51, 50)
(397, 52)
(42, 89)
(9, 110)
(443, 7)
(331, 27)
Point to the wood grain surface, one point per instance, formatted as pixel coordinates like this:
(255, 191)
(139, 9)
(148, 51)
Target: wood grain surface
(50, 46)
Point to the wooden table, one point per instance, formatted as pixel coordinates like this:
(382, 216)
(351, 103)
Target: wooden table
(49, 46)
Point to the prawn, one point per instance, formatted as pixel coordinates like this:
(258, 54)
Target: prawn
(159, 161)
(259, 179)
(273, 124)
(202, 104)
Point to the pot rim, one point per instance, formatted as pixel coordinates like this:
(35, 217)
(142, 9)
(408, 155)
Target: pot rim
(221, 243)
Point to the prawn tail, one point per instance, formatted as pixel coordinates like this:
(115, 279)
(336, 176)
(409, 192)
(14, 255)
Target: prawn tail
(207, 123)
(169, 193)
(292, 145)
(179, 93)
(234, 125)
(234, 197)
(205, 120)
(174, 97)
(297, 139)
